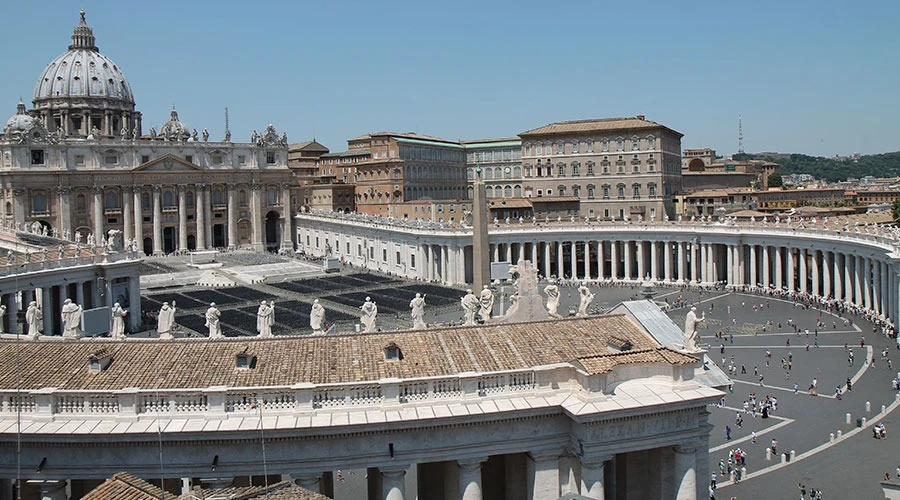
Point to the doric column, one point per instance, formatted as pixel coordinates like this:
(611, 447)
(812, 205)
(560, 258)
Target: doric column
(779, 265)
(587, 260)
(681, 262)
(200, 204)
(508, 248)
(546, 258)
(138, 235)
(393, 483)
(654, 260)
(667, 260)
(695, 264)
(127, 213)
(309, 482)
(543, 476)
(791, 281)
(629, 258)
(534, 254)
(560, 267)
(287, 240)
(641, 264)
(97, 212)
(496, 252)
(12, 313)
(470, 479)
(803, 276)
(867, 283)
(754, 279)
(182, 218)
(766, 265)
(256, 228)
(600, 260)
(848, 278)
(827, 285)
(47, 301)
(876, 287)
(857, 280)
(729, 265)
(157, 221)
(614, 259)
(703, 264)
(838, 276)
(685, 473)
(814, 264)
(592, 477)
(232, 217)
(573, 261)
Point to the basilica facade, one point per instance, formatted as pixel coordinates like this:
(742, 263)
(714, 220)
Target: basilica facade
(79, 164)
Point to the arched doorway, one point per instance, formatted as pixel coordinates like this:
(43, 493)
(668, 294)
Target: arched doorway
(273, 221)
(168, 239)
(191, 242)
(148, 246)
(219, 236)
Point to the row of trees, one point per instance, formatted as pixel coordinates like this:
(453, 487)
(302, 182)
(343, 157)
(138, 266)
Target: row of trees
(834, 170)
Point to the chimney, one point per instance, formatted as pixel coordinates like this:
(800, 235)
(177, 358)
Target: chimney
(640, 117)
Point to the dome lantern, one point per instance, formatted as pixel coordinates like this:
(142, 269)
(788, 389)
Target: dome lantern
(83, 36)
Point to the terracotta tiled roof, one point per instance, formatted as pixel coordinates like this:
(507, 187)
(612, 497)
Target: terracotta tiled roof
(124, 486)
(322, 359)
(284, 490)
(597, 125)
(606, 362)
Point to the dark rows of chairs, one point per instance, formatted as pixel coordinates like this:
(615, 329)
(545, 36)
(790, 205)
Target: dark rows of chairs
(248, 258)
(149, 267)
(333, 283)
(435, 295)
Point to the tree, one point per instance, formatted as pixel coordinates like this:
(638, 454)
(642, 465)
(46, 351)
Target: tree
(775, 180)
(895, 209)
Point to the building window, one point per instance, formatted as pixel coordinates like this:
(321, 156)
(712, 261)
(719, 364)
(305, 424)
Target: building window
(168, 199)
(37, 156)
(112, 200)
(559, 148)
(620, 144)
(604, 145)
(590, 146)
(636, 191)
(39, 203)
(576, 191)
(590, 193)
(560, 169)
(80, 204)
(605, 192)
(145, 158)
(561, 189)
(576, 169)
(392, 352)
(110, 160)
(189, 199)
(384, 255)
(398, 258)
(270, 157)
(242, 198)
(621, 191)
(145, 201)
(242, 160)
(590, 168)
(635, 144)
(189, 158)
(651, 190)
(271, 197)
(79, 160)
(216, 159)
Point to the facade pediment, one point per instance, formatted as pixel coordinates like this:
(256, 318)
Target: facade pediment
(168, 163)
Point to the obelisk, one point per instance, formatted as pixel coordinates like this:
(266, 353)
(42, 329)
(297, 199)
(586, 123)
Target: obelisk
(481, 264)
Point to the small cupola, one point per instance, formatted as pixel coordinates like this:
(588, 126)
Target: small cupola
(392, 352)
(245, 359)
(99, 360)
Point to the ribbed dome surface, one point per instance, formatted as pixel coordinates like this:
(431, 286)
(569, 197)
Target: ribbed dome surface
(83, 72)
(19, 122)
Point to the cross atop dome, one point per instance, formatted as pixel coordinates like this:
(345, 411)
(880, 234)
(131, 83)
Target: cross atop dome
(83, 36)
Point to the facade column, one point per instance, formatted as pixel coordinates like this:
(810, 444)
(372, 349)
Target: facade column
(138, 218)
(695, 264)
(804, 276)
(681, 262)
(64, 213)
(393, 483)
(573, 258)
(592, 478)
(46, 299)
(470, 479)
(311, 483)
(496, 252)
(200, 204)
(182, 219)
(876, 286)
(629, 257)
(546, 245)
(127, 214)
(857, 280)
(97, 212)
(534, 254)
(848, 278)
(508, 252)
(729, 265)
(685, 473)
(157, 221)
(766, 265)
(543, 476)
(704, 263)
(814, 263)
(232, 217)
(827, 286)
(256, 229)
(654, 260)
(287, 216)
(587, 260)
(754, 279)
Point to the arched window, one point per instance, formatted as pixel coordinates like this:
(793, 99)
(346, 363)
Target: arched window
(590, 192)
(189, 198)
(242, 198)
(606, 191)
(112, 200)
(271, 196)
(561, 169)
(507, 191)
(217, 197)
(517, 190)
(590, 168)
(561, 189)
(621, 191)
(576, 191)
(145, 201)
(636, 189)
(517, 172)
(168, 199)
(651, 190)
(39, 203)
(80, 204)
(8, 208)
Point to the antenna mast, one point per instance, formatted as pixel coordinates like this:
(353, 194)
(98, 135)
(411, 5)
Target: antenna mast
(740, 136)
(226, 119)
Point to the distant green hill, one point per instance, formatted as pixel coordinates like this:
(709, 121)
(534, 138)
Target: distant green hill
(830, 169)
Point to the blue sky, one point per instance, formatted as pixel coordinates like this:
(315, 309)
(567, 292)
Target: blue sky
(817, 77)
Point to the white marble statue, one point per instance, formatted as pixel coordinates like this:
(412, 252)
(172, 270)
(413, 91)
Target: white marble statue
(586, 297)
(117, 331)
(71, 319)
(316, 316)
(487, 303)
(212, 321)
(552, 292)
(265, 318)
(165, 320)
(369, 313)
(417, 305)
(34, 319)
(690, 329)
(470, 305)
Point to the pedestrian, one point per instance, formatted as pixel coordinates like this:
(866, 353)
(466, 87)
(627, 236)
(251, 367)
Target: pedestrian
(796, 387)
(713, 480)
(849, 384)
(802, 488)
(753, 440)
(728, 432)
